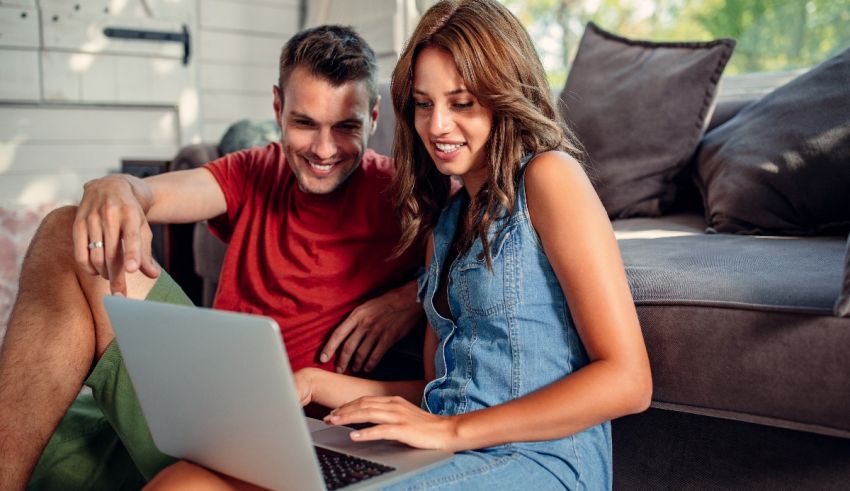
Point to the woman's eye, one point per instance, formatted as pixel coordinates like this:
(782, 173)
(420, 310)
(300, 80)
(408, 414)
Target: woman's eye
(464, 105)
(421, 104)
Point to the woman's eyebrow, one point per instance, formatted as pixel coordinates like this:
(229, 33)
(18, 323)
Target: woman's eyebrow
(457, 91)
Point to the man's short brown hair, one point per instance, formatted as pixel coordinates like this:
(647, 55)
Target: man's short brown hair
(334, 53)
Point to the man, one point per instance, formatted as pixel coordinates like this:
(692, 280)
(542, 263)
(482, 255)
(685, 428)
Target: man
(309, 224)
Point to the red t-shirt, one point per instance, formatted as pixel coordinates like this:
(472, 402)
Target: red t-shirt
(306, 260)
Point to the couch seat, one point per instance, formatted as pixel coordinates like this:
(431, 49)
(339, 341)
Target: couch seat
(741, 326)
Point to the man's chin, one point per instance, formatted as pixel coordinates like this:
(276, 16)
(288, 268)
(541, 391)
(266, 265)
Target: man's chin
(318, 186)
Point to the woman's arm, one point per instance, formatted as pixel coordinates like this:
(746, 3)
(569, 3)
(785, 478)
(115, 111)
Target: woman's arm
(580, 245)
(332, 389)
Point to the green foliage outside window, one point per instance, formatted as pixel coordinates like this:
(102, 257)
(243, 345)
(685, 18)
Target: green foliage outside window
(772, 35)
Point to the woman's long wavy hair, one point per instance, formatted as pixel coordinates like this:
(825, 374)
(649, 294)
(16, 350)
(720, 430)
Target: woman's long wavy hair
(496, 59)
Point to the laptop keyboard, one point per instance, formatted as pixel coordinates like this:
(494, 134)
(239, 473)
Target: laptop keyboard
(340, 470)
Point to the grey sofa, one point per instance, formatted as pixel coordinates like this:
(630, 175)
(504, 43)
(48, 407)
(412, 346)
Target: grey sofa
(751, 376)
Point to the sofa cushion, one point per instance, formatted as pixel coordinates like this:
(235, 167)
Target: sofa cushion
(740, 326)
(640, 108)
(782, 164)
(842, 305)
(669, 259)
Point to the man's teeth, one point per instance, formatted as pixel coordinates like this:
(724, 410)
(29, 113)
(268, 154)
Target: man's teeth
(322, 167)
(448, 147)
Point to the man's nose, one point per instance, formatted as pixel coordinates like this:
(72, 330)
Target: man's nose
(324, 146)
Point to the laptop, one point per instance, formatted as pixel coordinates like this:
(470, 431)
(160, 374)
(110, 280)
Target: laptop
(216, 389)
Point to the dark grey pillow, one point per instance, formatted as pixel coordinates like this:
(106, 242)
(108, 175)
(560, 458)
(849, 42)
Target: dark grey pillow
(842, 305)
(782, 164)
(640, 109)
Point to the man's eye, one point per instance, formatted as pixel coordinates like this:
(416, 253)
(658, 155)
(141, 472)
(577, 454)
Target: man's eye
(303, 122)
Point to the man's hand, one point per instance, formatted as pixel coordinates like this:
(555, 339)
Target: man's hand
(111, 232)
(371, 328)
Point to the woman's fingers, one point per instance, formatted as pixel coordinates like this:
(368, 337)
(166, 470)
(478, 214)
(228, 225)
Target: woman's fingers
(379, 410)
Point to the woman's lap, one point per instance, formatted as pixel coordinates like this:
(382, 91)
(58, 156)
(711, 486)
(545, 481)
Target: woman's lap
(484, 471)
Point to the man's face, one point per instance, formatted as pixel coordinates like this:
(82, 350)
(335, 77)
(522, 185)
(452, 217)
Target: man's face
(324, 129)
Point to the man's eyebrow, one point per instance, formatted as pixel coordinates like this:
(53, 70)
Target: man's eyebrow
(296, 114)
(457, 91)
(349, 122)
(353, 121)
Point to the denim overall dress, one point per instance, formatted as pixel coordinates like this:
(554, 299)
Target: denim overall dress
(511, 334)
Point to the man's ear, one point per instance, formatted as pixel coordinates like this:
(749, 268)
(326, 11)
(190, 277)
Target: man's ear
(374, 115)
(278, 103)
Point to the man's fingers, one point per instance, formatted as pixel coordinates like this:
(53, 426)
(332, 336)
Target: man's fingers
(80, 236)
(365, 350)
(348, 349)
(131, 239)
(148, 265)
(95, 245)
(113, 250)
(378, 352)
(338, 336)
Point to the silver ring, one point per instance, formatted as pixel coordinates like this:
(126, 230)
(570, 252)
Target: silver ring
(96, 244)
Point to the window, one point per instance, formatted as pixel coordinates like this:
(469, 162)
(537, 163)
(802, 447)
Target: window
(772, 35)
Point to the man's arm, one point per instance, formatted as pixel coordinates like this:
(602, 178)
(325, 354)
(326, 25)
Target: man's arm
(111, 233)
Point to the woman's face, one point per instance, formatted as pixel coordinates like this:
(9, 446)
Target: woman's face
(453, 126)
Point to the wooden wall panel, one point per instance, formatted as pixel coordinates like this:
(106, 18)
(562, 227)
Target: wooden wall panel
(18, 27)
(249, 79)
(22, 82)
(239, 49)
(48, 152)
(82, 31)
(83, 77)
(230, 108)
(227, 15)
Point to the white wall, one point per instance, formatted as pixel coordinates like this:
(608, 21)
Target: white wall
(74, 102)
(384, 24)
(239, 47)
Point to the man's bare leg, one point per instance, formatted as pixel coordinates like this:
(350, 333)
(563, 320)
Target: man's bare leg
(57, 330)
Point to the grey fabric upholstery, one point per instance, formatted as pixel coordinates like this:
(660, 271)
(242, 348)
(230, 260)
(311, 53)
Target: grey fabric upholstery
(640, 109)
(842, 305)
(739, 326)
(673, 266)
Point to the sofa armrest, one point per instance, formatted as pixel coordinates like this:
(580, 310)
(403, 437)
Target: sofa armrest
(842, 305)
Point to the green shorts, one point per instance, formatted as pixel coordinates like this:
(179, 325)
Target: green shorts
(103, 442)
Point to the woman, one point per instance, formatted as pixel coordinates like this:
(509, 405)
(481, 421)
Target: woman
(534, 343)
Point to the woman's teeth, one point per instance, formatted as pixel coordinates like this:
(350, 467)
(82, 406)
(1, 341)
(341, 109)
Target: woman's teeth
(448, 147)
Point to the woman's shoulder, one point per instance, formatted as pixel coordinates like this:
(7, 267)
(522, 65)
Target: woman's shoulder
(554, 163)
(557, 179)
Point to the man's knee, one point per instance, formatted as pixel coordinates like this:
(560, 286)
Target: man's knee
(50, 248)
(59, 222)
(54, 235)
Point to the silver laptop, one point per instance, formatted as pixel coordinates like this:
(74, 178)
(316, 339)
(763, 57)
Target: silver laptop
(216, 389)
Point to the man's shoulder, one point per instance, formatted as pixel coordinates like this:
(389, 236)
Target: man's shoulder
(377, 165)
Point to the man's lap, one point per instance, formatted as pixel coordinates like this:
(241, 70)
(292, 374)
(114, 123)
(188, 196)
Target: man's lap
(103, 442)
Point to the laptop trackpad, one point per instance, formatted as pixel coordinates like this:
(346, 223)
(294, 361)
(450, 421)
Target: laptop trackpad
(314, 424)
(337, 437)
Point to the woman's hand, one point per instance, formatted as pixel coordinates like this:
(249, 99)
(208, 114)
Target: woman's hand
(397, 419)
(304, 385)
